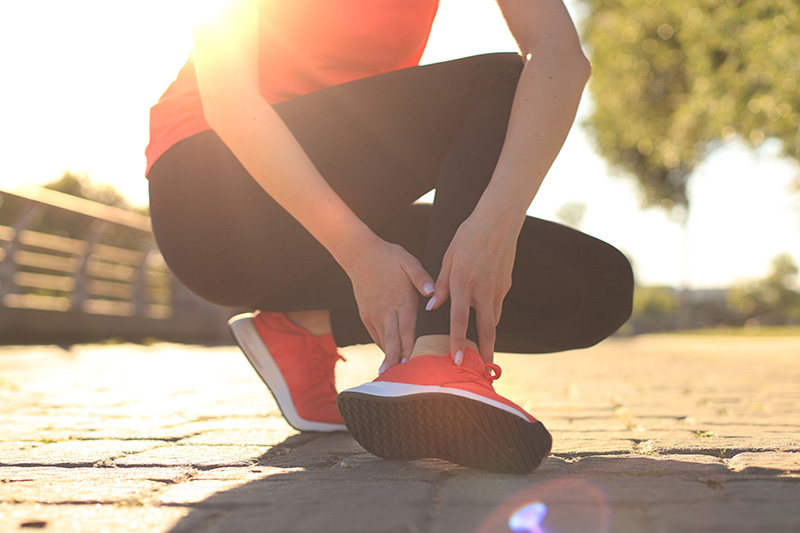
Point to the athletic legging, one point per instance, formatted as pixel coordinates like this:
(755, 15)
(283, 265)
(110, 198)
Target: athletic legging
(381, 143)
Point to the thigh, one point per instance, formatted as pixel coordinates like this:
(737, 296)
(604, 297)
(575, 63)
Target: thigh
(381, 142)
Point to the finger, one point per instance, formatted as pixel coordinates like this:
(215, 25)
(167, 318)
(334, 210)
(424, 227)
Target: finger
(407, 319)
(442, 291)
(373, 333)
(392, 341)
(419, 276)
(487, 332)
(459, 320)
(498, 310)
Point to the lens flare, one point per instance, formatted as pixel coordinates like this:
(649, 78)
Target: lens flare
(528, 519)
(572, 505)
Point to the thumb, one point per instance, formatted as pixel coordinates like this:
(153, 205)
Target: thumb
(419, 276)
(442, 287)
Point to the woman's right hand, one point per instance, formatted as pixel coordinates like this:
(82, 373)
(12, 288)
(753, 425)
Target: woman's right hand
(387, 281)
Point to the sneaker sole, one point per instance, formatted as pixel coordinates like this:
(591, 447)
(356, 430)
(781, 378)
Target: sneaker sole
(446, 426)
(249, 341)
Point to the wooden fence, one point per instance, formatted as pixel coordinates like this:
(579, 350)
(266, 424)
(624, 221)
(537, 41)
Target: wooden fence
(109, 282)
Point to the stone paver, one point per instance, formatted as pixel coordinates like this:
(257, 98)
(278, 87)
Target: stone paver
(657, 433)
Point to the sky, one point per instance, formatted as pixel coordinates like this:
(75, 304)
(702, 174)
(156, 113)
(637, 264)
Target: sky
(80, 76)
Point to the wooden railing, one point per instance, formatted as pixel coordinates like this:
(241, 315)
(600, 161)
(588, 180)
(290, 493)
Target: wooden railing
(109, 281)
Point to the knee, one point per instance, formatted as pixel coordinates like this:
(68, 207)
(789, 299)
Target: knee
(623, 285)
(613, 301)
(504, 67)
(490, 69)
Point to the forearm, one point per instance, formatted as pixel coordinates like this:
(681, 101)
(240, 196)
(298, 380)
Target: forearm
(226, 61)
(542, 114)
(544, 107)
(267, 149)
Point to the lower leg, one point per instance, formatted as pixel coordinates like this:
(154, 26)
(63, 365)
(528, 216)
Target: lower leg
(316, 322)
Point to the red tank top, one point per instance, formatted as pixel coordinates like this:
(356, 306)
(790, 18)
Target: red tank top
(305, 45)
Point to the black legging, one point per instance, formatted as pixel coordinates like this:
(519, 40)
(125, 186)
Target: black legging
(381, 143)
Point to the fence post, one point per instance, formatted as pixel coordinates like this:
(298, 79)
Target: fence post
(81, 293)
(8, 268)
(140, 283)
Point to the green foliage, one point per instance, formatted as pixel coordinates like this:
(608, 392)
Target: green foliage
(654, 308)
(672, 79)
(82, 187)
(571, 214)
(773, 300)
(655, 301)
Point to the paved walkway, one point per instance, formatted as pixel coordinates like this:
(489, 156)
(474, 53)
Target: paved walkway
(651, 434)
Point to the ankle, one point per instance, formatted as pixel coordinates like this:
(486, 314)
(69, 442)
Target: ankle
(438, 345)
(316, 322)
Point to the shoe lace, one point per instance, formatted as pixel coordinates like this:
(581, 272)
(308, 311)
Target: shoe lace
(323, 361)
(491, 372)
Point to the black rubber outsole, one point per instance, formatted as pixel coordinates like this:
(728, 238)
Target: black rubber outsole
(443, 426)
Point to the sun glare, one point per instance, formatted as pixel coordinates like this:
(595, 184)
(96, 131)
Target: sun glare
(206, 10)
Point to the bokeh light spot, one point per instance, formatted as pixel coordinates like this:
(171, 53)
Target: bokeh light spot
(528, 518)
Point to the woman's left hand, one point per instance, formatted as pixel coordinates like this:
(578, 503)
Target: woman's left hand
(476, 274)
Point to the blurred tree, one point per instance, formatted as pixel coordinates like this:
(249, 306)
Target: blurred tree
(571, 214)
(654, 309)
(673, 79)
(55, 222)
(81, 186)
(774, 299)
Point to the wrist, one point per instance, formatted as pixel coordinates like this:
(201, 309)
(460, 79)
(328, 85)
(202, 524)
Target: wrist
(501, 215)
(351, 246)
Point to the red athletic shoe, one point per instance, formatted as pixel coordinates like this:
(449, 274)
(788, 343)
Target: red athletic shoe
(429, 407)
(295, 365)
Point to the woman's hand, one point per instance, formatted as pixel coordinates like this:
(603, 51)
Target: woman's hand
(387, 281)
(476, 273)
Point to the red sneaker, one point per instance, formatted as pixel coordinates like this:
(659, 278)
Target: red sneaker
(295, 365)
(429, 407)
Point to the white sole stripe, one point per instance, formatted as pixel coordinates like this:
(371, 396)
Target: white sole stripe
(390, 389)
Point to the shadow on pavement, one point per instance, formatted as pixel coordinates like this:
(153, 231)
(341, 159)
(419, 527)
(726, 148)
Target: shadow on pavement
(328, 483)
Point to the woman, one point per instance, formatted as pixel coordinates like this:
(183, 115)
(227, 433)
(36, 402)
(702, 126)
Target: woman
(284, 165)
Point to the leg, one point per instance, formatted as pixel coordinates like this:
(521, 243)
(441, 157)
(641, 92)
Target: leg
(569, 291)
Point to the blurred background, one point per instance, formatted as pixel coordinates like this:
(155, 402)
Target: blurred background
(684, 155)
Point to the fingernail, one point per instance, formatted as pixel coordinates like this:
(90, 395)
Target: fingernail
(382, 369)
(428, 289)
(403, 360)
(430, 303)
(459, 357)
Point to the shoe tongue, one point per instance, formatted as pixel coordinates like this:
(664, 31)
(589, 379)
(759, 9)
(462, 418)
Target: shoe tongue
(280, 322)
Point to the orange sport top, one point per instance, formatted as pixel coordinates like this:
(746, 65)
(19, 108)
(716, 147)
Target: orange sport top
(305, 45)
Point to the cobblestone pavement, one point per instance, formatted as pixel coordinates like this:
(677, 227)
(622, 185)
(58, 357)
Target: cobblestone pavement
(657, 433)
